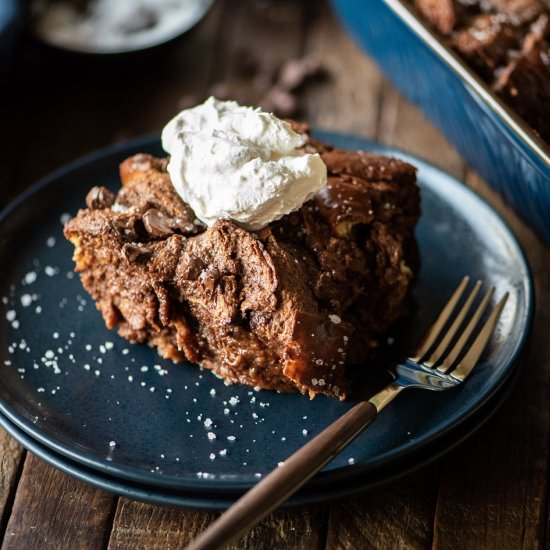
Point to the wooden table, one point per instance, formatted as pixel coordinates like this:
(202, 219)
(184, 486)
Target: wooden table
(491, 492)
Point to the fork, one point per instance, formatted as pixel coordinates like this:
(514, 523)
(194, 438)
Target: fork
(443, 360)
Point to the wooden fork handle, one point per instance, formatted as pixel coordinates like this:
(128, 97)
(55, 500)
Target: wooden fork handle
(276, 487)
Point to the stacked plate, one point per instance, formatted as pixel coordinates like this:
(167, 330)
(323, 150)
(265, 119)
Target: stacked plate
(118, 416)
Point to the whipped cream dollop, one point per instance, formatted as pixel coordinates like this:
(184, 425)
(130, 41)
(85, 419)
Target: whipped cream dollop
(239, 163)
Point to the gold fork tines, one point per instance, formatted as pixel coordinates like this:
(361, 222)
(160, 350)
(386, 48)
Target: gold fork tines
(474, 353)
(452, 356)
(435, 330)
(449, 335)
(446, 354)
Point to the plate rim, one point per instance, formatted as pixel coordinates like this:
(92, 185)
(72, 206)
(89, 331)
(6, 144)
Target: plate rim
(324, 478)
(201, 501)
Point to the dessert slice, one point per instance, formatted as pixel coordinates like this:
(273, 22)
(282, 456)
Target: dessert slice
(286, 307)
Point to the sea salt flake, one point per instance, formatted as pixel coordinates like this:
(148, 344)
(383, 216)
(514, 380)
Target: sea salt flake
(50, 242)
(335, 319)
(211, 436)
(112, 444)
(30, 277)
(10, 315)
(26, 300)
(51, 271)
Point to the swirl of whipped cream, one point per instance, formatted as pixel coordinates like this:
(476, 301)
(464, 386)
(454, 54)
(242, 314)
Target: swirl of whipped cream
(238, 163)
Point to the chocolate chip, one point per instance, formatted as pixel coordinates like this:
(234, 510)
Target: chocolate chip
(136, 253)
(126, 227)
(99, 197)
(295, 72)
(156, 223)
(281, 102)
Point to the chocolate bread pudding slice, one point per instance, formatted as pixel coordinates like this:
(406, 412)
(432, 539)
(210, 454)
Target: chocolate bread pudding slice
(286, 307)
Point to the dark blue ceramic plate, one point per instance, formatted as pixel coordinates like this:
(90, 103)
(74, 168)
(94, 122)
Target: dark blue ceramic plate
(222, 500)
(119, 409)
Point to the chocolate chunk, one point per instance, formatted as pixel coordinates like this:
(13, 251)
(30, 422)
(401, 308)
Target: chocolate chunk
(295, 72)
(136, 253)
(126, 227)
(99, 197)
(157, 224)
(281, 102)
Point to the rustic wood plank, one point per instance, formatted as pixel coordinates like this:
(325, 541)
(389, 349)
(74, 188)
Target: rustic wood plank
(11, 458)
(350, 100)
(406, 127)
(498, 499)
(52, 510)
(257, 38)
(143, 526)
(397, 516)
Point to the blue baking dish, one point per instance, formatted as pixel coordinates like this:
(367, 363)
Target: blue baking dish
(496, 142)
